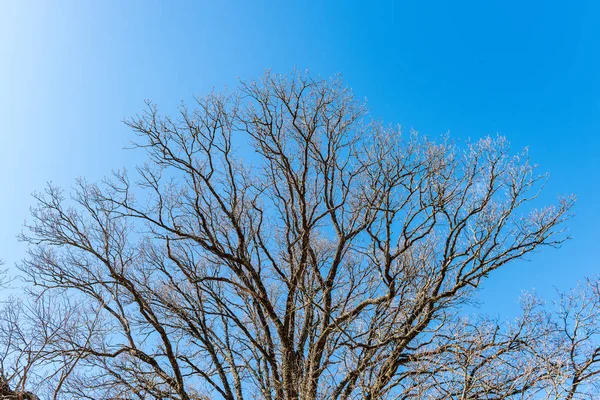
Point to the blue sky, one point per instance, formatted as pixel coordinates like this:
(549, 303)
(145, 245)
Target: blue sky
(71, 71)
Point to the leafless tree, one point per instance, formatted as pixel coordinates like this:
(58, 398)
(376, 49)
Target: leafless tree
(35, 357)
(577, 329)
(279, 244)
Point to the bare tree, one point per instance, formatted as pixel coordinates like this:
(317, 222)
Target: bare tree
(279, 244)
(34, 352)
(577, 329)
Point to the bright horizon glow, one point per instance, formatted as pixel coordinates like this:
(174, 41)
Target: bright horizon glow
(71, 72)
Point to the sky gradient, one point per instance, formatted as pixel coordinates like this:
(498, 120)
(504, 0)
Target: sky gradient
(72, 71)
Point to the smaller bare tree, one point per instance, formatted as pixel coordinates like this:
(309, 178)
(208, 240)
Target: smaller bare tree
(577, 336)
(39, 335)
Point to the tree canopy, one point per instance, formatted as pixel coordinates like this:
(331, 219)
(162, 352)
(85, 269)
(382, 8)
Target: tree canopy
(281, 244)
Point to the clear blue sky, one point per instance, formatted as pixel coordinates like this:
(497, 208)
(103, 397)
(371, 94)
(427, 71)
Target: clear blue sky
(71, 71)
